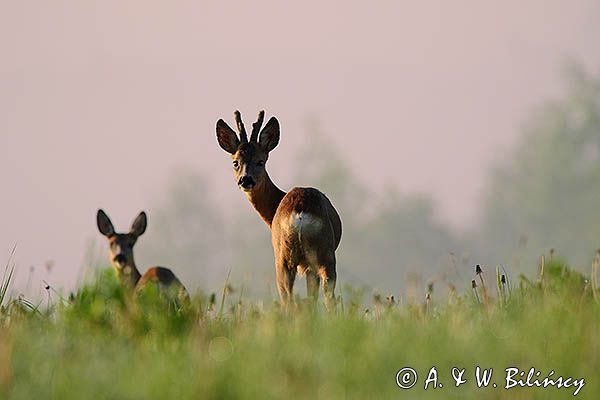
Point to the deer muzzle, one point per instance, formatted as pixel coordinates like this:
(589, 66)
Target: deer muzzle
(246, 183)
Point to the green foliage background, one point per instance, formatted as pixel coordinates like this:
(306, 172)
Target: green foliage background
(548, 193)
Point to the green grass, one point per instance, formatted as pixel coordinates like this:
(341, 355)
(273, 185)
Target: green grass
(102, 344)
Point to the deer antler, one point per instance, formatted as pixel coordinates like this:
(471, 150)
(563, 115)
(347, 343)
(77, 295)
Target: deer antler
(240, 126)
(256, 126)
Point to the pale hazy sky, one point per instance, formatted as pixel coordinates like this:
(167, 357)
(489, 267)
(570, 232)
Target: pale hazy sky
(99, 101)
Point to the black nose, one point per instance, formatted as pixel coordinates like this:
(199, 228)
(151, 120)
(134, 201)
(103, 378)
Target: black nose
(120, 259)
(247, 182)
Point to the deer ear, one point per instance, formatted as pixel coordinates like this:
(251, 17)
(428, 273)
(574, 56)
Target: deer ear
(139, 225)
(104, 225)
(227, 138)
(269, 136)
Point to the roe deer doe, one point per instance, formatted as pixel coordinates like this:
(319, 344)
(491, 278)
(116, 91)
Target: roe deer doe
(305, 227)
(121, 257)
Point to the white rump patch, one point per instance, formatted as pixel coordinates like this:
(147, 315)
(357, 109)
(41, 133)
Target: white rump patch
(305, 223)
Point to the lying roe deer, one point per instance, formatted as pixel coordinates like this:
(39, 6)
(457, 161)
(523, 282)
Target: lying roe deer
(305, 227)
(121, 257)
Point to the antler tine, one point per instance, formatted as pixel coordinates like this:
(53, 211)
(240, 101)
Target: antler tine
(240, 126)
(256, 126)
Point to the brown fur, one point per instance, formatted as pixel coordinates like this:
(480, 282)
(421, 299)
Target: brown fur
(305, 227)
(158, 274)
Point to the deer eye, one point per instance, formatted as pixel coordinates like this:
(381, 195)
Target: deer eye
(260, 163)
(236, 164)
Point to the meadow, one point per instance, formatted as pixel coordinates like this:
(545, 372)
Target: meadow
(100, 343)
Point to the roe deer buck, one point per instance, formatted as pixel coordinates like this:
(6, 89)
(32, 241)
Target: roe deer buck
(121, 257)
(305, 227)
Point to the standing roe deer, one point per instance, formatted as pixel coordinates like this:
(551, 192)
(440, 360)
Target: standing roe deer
(121, 257)
(305, 227)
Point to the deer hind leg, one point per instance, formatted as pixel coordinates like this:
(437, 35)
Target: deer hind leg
(328, 277)
(312, 285)
(285, 280)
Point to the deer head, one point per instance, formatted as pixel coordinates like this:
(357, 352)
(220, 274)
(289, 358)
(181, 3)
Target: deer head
(121, 244)
(249, 157)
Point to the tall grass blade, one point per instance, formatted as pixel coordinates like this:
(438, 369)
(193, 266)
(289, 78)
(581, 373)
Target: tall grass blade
(594, 278)
(224, 295)
(7, 276)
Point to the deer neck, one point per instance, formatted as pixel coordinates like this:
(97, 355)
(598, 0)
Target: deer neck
(266, 198)
(129, 274)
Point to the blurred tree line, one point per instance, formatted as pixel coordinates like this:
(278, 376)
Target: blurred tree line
(545, 196)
